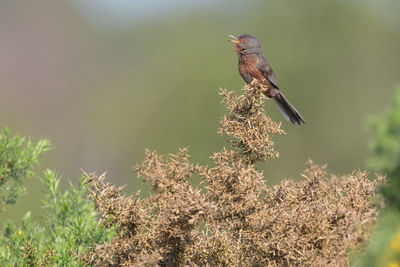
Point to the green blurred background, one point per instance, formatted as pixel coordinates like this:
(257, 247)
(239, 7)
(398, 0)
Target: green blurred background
(103, 80)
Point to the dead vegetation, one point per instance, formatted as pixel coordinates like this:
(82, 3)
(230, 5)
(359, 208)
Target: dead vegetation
(236, 219)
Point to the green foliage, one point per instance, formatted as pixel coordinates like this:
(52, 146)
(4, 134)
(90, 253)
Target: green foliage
(71, 227)
(71, 219)
(16, 243)
(384, 246)
(17, 157)
(385, 147)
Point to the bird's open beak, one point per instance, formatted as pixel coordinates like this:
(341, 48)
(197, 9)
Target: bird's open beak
(234, 39)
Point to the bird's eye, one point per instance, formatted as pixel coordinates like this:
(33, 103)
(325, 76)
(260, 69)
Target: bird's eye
(243, 40)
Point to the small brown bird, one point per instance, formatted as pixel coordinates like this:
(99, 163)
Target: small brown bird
(252, 64)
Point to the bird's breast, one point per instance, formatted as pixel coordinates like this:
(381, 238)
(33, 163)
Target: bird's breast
(248, 66)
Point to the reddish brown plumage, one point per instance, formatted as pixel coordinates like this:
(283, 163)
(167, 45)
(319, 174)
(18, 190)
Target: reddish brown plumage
(247, 64)
(253, 65)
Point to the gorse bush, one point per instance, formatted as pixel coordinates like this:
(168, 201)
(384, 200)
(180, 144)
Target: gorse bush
(71, 227)
(17, 158)
(232, 219)
(385, 147)
(235, 219)
(384, 247)
(71, 222)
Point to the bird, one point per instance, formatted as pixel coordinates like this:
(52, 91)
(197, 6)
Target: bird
(253, 65)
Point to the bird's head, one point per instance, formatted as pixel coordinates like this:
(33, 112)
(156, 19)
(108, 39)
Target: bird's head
(247, 43)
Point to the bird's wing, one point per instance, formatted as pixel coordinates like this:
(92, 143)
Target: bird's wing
(267, 72)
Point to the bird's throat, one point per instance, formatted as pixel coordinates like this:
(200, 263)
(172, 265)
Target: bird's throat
(245, 58)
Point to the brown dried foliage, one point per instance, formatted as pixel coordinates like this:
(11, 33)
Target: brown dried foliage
(236, 219)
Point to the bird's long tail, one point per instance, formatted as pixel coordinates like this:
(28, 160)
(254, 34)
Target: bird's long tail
(287, 109)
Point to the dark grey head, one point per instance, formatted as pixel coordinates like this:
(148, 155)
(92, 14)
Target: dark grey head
(248, 43)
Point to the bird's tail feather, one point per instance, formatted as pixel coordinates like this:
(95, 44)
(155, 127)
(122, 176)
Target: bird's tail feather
(287, 109)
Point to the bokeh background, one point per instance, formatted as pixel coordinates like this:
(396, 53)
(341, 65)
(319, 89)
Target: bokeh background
(103, 80)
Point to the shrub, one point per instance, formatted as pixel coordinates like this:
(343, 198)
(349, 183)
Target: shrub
(385, 147)
(71, 227)
(234, 218)
(17, 158)
(384, 246)
(71, 222)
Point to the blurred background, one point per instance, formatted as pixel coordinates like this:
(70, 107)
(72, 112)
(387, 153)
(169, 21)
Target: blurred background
(103, 80)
